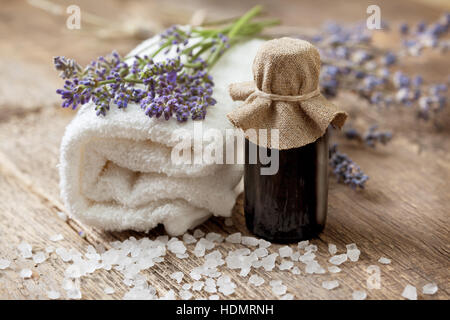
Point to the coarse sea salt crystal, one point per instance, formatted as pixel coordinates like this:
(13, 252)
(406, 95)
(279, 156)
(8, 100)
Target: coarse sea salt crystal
(228, 222)
(268, 263)
(234, 238)
(273, 283)
(279, 289)
(4, 264)
(285, 265)
(189, 239)
(303, 244)
(109, 290)
(307, 257)
(53, 295)
(384, 260)
(410, 292)
(176, 247)
(170, 295)
(214, 297)
(311, 248)
(334, 269)
(39, 257)
(198, 233)
(186, 286)
(25, 273)
(256, 280)
(353, 254)
(185, 295)
(287, 296)
(25, 250)
(261, 252)
(295, 270)
(73, 293)
(295, 256)
(314, 267)
(338, 259)
(359, 295)
(332, 249)
(197, 285)
(214, 237)
(250, 241)
(178, 276)
(56, 237)
(430, 288)
(208, 245)
(264, 244)
(351, 246)
(330, 285)
(285, 252)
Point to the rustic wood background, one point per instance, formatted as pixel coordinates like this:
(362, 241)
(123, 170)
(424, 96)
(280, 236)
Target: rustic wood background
(403, 214)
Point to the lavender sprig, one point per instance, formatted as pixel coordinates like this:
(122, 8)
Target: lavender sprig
(345, 170)
(179, 87)
(371, 137)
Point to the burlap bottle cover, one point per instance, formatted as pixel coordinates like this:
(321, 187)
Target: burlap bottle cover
(285, 96)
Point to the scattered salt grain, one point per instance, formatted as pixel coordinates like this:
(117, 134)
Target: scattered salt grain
(264, 244)
(330, 285)
(198, 233)
(295, 270)
(228, 222)
(208, 245)
(182, 256)
(178, 276)
(176, 247)
(334, 269)
(279, 289)
(25, 250)
(303, 244)
(430, 288)
(189, 239)
(50, 249)
(353, 254)
(197, 285)
(56, 237)
(67, 284)
(410, 292)
(384, 260)
(250, 241)
(307, 257)
(285, 265)
(185, 295)
(39, 257)
(287, 296)
(186, 286)
(25, 273)
(268, 263)
(359, 295)
(109, 290)
(261, 252)
(63, 254)
(314, 267)
(214, 237)
(285, 251)
(234, 238)
(162, 239)
(273, 283)
(338, 259)
(73, 293)
(256, 280)
(4, 264)
(332, 249)
(295, 256)
(214, 297)
(53, 295)
(62, 215)
(73, 271)
(351, 246)
(170, 295)
(311, 248)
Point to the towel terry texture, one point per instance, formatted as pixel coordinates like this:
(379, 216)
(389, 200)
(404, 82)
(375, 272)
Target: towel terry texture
(116, 171)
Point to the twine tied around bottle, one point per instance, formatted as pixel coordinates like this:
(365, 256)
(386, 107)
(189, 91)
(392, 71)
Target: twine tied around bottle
(285, 95)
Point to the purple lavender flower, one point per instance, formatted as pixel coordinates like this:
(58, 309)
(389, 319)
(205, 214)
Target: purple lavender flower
(345, 170)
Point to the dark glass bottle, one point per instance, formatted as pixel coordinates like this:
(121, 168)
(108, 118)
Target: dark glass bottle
(290, 205)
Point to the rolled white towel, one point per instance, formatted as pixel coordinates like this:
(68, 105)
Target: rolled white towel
(116, 171)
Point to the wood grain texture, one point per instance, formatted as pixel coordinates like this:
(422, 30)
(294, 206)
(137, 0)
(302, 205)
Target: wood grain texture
(403, 214)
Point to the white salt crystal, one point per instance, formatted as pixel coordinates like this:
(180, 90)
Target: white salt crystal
(384, 260)
(198, 233)
(311, 248)
(314, 267)
(250, 241)
(109, 290)
(170, 295)
(214, 297)
(410, 292)
(67, 284)
(73, 271)
(63, 254)
(227, 289)
(244, 272)
(256, 280)
(189, 239)
(264, 244)
(228, 222)
(430, 288)
(197, 285)
(53, 295)
(332, 249)
(56, 237)
(330, 285)
(295, 256)
(359, 295)
(268, 263)
(182, 256)
(285, 251)
(25, 250)
(295, 270)
(62, 215)
(4, 264)
(351, 246)
(273, 283)
(208, 245)
(50, 249)
(279, 289)
(177, 247)
(287, 296)
(261, 252)
(25, 273)
(353, 254)
(285, 265)
(214, 237)
(186, 286)
(307, 257)
(303, 244)
(185, 295)
(195, 275)
(162, 239)
(39, 257)
(338, 259)
(234, 238)
(73, 293)
(334, 269)
(178, 276)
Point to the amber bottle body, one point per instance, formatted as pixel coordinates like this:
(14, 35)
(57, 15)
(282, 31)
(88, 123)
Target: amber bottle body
(290, 205)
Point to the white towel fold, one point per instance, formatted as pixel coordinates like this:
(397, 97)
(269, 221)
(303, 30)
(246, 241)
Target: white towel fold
(116, 171)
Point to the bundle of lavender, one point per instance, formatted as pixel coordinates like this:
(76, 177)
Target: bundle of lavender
(117, 163)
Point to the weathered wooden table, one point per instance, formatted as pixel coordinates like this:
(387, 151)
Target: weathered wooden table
(403, 214)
